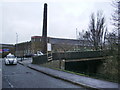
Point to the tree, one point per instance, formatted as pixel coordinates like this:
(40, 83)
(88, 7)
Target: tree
(97, 30)
(111, 39)
(116, 15)
(110, 66)
(116, 21)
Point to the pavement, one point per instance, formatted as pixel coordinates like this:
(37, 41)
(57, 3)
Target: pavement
(86, 82)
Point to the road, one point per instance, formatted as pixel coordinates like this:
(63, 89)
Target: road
(19, 76)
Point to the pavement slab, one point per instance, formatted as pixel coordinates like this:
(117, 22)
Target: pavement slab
(73, 78)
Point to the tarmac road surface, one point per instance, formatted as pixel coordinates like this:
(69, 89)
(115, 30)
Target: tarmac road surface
(19, 76)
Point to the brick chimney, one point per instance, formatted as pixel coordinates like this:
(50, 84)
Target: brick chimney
(44, 32)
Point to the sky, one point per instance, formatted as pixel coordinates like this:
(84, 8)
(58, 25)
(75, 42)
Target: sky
(24, 18)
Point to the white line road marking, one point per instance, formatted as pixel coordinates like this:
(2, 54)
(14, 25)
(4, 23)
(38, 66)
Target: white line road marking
(9, 83)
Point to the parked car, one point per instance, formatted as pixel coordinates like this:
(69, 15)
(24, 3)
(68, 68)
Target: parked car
(39, 53)
(10, 59)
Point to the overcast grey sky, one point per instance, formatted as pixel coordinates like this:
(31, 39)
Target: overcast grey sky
(25, 17)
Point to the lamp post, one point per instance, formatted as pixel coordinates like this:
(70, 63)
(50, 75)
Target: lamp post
(76, 34)
(16, 43)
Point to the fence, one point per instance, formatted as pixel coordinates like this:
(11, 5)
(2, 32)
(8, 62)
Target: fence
(68, 56)
(78, 55)
(39, 59)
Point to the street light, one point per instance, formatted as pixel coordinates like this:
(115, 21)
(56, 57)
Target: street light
(76, 34)
(16, 43)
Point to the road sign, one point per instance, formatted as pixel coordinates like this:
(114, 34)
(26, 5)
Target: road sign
(5, 50)
(0, 50)
(49, 46)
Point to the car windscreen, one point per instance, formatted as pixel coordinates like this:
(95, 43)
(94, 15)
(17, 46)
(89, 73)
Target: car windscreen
(10, 56)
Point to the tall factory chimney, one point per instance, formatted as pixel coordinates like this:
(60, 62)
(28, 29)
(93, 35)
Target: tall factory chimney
(44, 33)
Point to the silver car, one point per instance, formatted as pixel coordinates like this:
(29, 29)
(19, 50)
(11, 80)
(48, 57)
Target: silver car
(10, 59)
